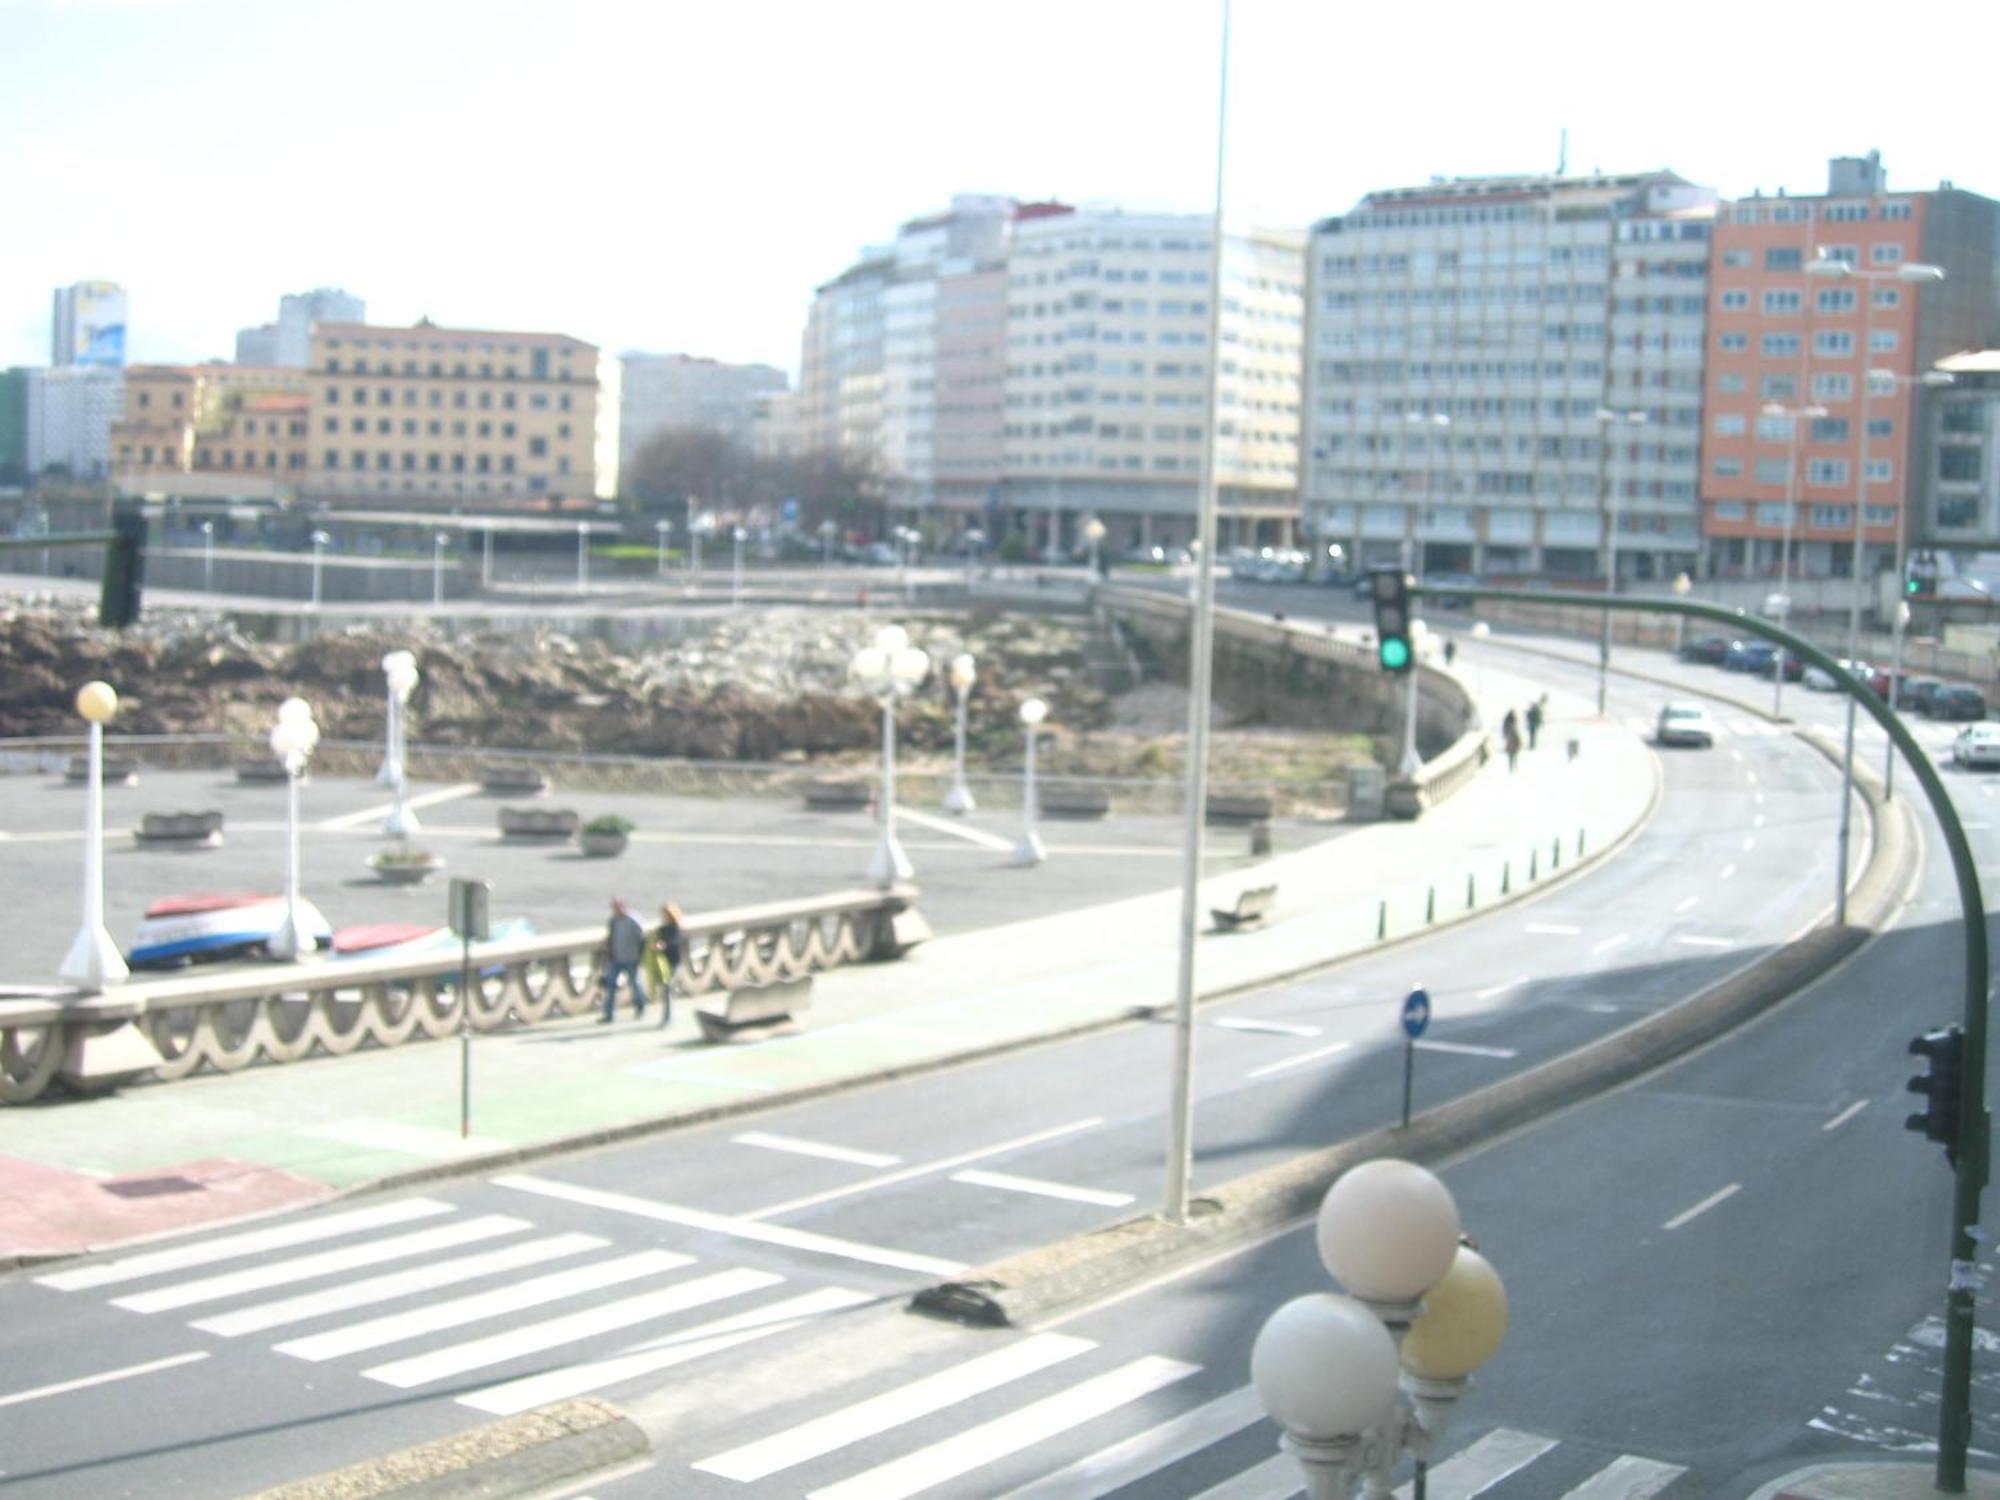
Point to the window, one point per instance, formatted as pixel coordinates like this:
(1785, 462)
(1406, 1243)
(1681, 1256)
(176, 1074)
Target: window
(1832, 387)
(1833, 342)
(1778, 387)
(1835, 299)
(357, 460)
(1957, 463)
(1731, 510)
(1728, 468)
(1881, 427)
(1895, 211)
(1784, 258)
(1729, 385)
(1729, 425)
(1735, 301)
(1780, 303)
(1771, 513)
(1832, 515)
(1733, 343)
(1888, 296)
(1780, 345)
(1736, 259)
(1883, 340)
(1774, 429)
(538, 447)
(1774, 471)
(333, 424)
(1826, 473)
(1885, 255)
(1881, 471)
(1847, 255)
(1963, 418)
(1829, 430)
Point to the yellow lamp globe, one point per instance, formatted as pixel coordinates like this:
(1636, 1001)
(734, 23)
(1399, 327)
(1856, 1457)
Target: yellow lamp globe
(1464, 1319)
(97, 702)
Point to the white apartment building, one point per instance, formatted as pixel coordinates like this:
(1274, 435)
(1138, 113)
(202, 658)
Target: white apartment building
(70, 412)
(1491, 363)
(1108, 326)
(287, 343)
(660, 391)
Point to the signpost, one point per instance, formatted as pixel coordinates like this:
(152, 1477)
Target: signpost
(1416, 1016)
(468, 920)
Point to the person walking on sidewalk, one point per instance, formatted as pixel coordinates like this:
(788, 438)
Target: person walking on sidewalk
(625, 944)
(663, 958)
(1510, 737)
(1535, 719)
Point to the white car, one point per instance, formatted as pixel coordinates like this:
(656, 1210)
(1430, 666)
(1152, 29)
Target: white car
(1687, 724)
(1977, 745)
(1818, 679)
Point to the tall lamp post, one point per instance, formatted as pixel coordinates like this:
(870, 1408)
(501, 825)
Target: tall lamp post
(1914, 272)
(1811, 414)
(292, 740)
(737, 537)
(583, 557)
(1029, 850)
(1682, 583)
(93, 960)
(1608, 498)
(438, 543)
(1093, 533)
(888, 669)
(486, 558)
(1411, 761)
(960, 674)
(319, 541)
(1423, 1310)
(400, 668)
(660, 529)
(208, 556)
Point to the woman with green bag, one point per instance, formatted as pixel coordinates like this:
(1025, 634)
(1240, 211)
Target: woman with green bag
(663, 958)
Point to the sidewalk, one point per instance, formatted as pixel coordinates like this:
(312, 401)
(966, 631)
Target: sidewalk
(88, 1174)
(1875, 1481)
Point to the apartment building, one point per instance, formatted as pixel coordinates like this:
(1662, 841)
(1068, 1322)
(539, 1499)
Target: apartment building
(1958, 474)
(445, 418)
(288, 342)
(211, 431)
(1791, 421)
(1499, 370)
(685, 390)
(70, 412)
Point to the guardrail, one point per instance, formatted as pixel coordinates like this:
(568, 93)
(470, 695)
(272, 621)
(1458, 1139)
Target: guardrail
(227, 1020)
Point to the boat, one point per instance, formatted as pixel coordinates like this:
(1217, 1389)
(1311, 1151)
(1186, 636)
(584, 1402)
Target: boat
(207, 926)
(416, 939)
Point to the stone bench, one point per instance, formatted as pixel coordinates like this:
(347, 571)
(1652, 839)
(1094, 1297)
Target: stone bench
(1253, 807)
(746, 1014)
(838, 796)
(1252, 906)
(119, 770)
(264, 769)
(546, 823)
(513, 781)
(1074, 801)
(187, 830)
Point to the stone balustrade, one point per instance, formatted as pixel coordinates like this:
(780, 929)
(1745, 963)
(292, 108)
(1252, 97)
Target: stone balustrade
(226, 1019)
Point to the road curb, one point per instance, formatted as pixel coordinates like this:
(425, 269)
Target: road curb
(513, 1456)
(1038, 1283)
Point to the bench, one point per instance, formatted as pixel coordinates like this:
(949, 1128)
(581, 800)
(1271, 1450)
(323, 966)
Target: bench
(119, 770)
(264, 769)
(1253, 807)
(513, 781)
(188, 830)
(551, 823)
(1252, 906)
(1075, 801)
(838, 796)
(764, 1010)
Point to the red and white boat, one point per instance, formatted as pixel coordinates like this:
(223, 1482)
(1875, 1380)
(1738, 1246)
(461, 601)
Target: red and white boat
(211, 925)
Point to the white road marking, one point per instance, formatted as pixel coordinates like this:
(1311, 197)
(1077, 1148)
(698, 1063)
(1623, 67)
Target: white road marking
(1273, 1479)
(1727, 872)
(1501, 989)
(436, 1316)
(1612, 942)
(1845, 1115)
(1691, 941)
(1758, 799)
(1277, 1028)
(229, 1247)
(323, 1263)
(1751, 777)
(1298, 1062)
(83, 1382)
(1041, 1189)
(740, 1228)
(1474, 1470)
(1602, 1009)
(923, 1169)
(1736, 755)
(690, 1344)
(1704, 1206)
(1981, 827)
(412, 1140)
(1688, 904)
(1464, 1049)
(797, 1147)
(1553, 929)
(375, 814)
(1148, 1452)
(1627, 1478)
(396, 1284)
(878, 1414)
(1749, 843)
(498, 1348)
(977, 1446)
(953, 826)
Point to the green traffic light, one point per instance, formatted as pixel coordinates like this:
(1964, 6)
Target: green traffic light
(1912, 586)
(1395, 654)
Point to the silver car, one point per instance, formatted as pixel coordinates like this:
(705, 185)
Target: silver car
(1685, 724)
(1977, 745)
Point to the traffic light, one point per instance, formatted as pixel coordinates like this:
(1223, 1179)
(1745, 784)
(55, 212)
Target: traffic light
(1390, 588)
(124, 567)
(1944, 1049)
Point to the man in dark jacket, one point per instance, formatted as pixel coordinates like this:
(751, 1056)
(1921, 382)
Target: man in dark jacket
(625, 943)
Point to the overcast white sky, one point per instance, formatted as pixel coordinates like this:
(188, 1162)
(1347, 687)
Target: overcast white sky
(665, 175)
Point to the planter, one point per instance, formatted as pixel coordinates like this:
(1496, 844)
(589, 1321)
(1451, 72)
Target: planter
(602, 845)
(266, 771)
(825, 794)
(404, 871)
(513, 781)
(538, 823)
(185, 830)
(118, 770)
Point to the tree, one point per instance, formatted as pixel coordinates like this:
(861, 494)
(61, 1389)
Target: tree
(677, 462)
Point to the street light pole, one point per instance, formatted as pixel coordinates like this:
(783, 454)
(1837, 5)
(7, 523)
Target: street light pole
(1411, 762)
(292, 740)
(583, 557)
(319, 541)
(400, 667)
(660, 529)
(486, 559)
(207, 556)
(1930, 378)
(1029, 850)
(1810, 413)
(1607, 496)
(438, 543)
(960, 674)
(889, 669)
(736, 569)
(93, 960)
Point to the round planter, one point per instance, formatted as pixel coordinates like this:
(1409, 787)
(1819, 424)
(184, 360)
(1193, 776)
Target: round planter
(403, 872)
(602, 845)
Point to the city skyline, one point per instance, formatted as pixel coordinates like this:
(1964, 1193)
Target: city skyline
(431, 197)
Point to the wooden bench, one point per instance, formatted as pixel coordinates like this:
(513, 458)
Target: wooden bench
(513, 781)
(1074, 801)
(550, 823)
(119, 770)
(1253, 807)
(187, 830)
(746, 1014)
(838, 796)
(1252, 906)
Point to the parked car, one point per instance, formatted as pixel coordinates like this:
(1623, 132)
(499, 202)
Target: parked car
(1750, 656)
(1958, 703)
(1795, 669)
(1822, 681)
(1685, 724)
(1917, 694)
(1709, 650)
(1977, 745)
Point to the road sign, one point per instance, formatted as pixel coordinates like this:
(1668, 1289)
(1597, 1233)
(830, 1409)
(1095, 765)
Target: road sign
(1416, 1013)
(468, 909)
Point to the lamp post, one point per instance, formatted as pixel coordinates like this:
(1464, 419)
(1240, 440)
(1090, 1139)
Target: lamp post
(1093, 533)
(738, 537)
(486, 558)
(1913, 272)
(319, 541)
(1811, 413)
(400, 668)
(695, 530)
(583, 557)
(1029, 850)
(826, 534)
(1682, 583)
(960, 674)
(1423, 1311)
(1411, 762)
(438, 543)
(93, 960)
(208, 556)
(292, 740)
(888, 669)
(660, 529)
(1929, 379)
(1607, 499)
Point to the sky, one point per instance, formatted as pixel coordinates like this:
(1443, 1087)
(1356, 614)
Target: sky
(671, 176)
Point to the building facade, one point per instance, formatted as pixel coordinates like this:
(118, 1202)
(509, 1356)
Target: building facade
(87, 325)
(1959, 458)
(685, 390)
(14, 427)
(212, 431)
(287, 343)
(70, 412)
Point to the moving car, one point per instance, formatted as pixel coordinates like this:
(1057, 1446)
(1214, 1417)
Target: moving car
(1685, 724)
(1707, 649)
(1977, 745)
(1957, 703)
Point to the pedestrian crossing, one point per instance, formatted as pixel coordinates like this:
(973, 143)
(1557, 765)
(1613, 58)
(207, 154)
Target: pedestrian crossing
(417, 1294)
(1054, 1416)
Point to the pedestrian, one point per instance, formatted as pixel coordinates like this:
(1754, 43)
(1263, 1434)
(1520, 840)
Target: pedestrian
(1450, 650)
(1510, 736)
(1535, 720)
(625, 945)
(663, 958)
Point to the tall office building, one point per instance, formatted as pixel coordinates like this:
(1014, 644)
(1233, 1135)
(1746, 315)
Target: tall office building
(70, 412)
(88, 325)
(287, 343)
(1463, 338)
(660, 391)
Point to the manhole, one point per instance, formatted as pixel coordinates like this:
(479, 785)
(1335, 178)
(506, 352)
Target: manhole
(151, 1187)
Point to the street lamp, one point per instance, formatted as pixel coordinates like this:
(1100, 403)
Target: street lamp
(438, 543)
(292, 740)
(319, 541)
(1607, 498)
(1682, 583)
(1093, 533)
(1029, 850)
(1411, 763)
(888, 669)
(208, 556)
(400, 668)
(583, 557)
(1326, 1367)
(738, 537)
(660, 529)
(486, 558)
(1810, 413)
(1913, 272)
(694, 530)
(93, 960)
(960, 674)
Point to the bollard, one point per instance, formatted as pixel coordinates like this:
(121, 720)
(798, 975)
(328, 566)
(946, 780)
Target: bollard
(1381, 920)
(1430, 905)
(1555, 855)
(1579, 843)
(1469, 899)
(1506, 876)
(1534, 869)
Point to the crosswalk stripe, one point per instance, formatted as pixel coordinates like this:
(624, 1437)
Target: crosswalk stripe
(1147, 1452)
(533, 1292)
(1478, 1468)
(497, 1348)
(233, 1246)
(1628, 1478)
(1277, 1478)
(691, 1344)
(1036, 1187)
(906, 1403)
(323, 1263)
(396, 1284)
(981, 1445)
(792, 1145)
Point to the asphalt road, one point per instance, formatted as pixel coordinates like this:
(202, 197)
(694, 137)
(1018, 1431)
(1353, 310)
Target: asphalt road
(777, 1252)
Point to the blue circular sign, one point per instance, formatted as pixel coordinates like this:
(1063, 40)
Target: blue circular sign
(1416, 1013)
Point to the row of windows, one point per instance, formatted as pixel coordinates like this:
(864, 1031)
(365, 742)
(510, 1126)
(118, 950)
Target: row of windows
(1782, 302)
(211, 458)
(434, 463)
(538, 366)
(1591, 293)
(435, 428)
(1778, 428)
(1428, 262)
(386, 396)
(1834, 343)
(1821, 473)
(1793, 211)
